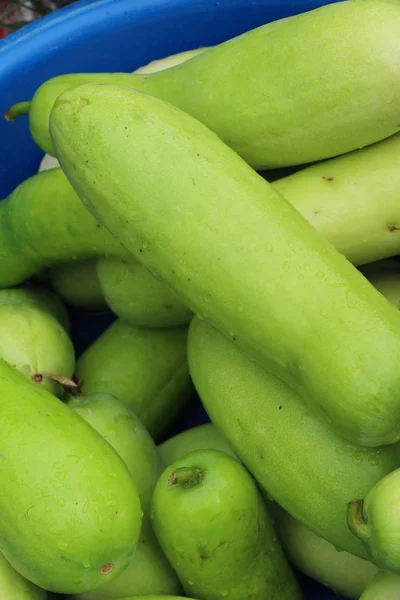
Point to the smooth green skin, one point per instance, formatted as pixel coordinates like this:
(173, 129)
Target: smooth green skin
(68, 509)
(38, 297)
(202, 437)
(365, 187)
(281, 441)
(149, 572)
(385, 277)
(385, 586)
(14, 587)
(144, 368)
(345, 573)
(78, 285)
(218, 535)
(42, 223)
(375, 521)
(279, 95)
(134, 295)
(33, 341)
(352, 200)
(218, 234)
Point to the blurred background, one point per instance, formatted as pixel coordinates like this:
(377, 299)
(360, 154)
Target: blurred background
(16, 13)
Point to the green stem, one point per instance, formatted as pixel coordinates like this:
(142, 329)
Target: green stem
(356, 520)
(16, 110)
(187, 477)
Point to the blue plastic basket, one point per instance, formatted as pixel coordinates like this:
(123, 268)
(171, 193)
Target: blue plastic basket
(117, 35)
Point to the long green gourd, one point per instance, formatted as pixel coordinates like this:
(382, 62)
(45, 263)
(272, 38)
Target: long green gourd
(144, 368)
(43, 223)
(70, 515)
(352, 200)
(309, 553)
(300, 462)
(137, 297)
(78, 284)
(334, 196)
(278, 95)
(235, 251)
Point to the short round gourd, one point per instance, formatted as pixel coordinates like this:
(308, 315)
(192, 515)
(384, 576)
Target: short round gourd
(81, 41)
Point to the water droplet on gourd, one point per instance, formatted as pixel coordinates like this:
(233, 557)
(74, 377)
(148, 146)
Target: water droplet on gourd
(190, 582)
(61, 545)
(224, 593)
(87, 564)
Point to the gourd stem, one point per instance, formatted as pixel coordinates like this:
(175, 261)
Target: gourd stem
(356, 520)
(16, 110)
(186, 477)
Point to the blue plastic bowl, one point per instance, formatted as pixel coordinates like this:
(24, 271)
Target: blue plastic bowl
(117, 35)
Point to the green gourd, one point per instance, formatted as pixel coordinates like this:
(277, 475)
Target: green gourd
(374, 519)
(70, 515)
(149, 571)
(77, 283)
(347, 574)
(385, 586)
(279, 94)
(144, 368)
(33, 340)
(235, 251)
(15, 587)
(298, 460)
(42, 223)
(213, 526)
(137, 297)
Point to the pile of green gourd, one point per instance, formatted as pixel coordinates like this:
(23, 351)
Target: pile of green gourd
(238, 209)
